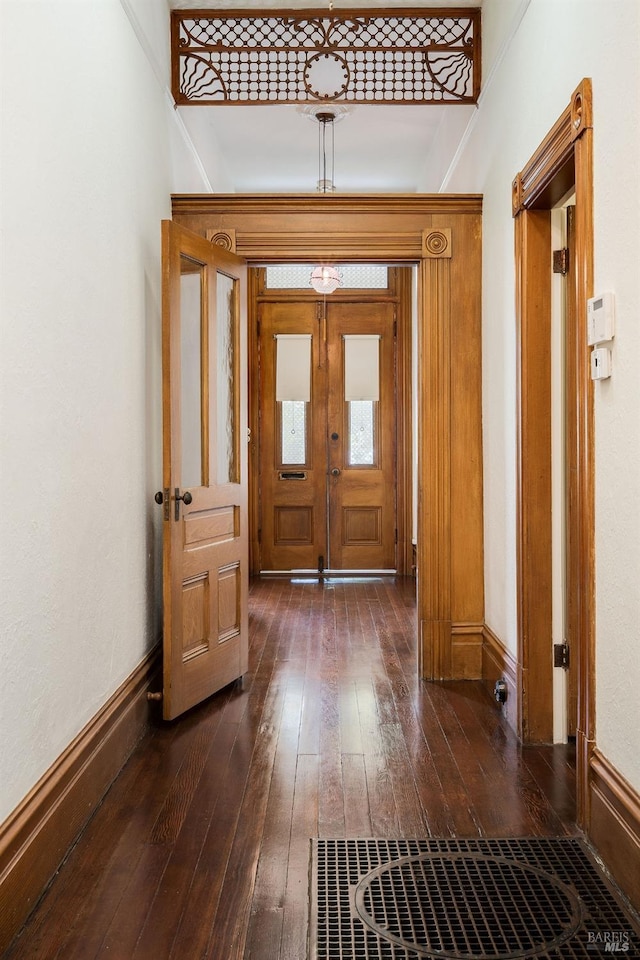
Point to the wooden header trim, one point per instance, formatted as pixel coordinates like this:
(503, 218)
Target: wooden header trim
(383, 204)
(553, 161)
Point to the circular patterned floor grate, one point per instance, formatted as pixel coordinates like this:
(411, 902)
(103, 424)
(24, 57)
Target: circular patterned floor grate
(468, 905)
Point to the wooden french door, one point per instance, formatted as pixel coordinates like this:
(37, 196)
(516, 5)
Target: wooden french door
(204, 496)
(327, 436)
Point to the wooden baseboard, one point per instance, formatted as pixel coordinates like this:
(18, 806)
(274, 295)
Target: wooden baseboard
(498, 663)
(36, 837)
(466, 651)
(614, 824)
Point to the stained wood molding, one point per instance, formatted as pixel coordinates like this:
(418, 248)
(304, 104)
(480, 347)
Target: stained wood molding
(436, 243)
(615, 824)
(37, 835)
(533, 285)
(277, 204)
(268, 247)
(466, 650)
(564, 160)
(499, 663)
(549, 174)
(223, 238)
(434, 457)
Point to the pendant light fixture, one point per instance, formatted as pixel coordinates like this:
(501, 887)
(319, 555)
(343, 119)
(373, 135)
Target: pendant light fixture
(326, 151)
(325, 278)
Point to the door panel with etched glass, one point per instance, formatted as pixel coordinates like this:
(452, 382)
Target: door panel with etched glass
(292, 438)
(361, 413)
(205, 543)
(327, 454)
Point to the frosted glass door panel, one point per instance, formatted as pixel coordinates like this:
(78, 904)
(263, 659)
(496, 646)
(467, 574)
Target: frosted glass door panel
(227, 346)
(293, 431)
(362, 433)
(191, 360)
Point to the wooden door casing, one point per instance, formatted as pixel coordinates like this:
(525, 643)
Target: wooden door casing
(205, 545)
(443, 234)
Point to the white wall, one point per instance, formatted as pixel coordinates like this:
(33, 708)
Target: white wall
(556, 44)
(88, 137)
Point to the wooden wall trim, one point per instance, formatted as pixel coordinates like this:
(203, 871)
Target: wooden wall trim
(582, 479)
(321, 245)
(404, 419)
(382, 228)
(35, 838)
(466, 651)
(565, 159)
(499, 663)
(547, 176)
(534, 582)
(387, 205)
(614, 827)
(434, 470)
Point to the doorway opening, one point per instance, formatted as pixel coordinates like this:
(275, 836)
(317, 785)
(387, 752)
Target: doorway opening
(562, 165)
(331, 416)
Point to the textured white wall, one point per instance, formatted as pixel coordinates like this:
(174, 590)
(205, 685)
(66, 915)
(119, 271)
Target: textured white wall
(87, 142)
(557, 43)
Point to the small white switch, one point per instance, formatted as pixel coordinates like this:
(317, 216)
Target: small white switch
(600, 363)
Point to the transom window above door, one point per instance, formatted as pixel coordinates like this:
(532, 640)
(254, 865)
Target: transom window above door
(354, 276)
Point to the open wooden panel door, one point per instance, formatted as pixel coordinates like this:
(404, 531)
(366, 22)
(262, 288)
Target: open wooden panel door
(204, 496)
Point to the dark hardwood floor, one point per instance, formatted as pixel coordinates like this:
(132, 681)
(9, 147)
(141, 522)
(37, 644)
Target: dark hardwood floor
(201, 847)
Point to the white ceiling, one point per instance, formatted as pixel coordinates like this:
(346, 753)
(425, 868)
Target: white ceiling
(267, 148)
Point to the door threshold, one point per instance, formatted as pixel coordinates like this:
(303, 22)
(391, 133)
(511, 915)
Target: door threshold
(309, 574)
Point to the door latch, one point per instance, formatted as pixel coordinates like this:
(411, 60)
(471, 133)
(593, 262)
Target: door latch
(162, 499)
(186, 499)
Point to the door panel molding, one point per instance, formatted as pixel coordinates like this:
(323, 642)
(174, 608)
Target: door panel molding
(390, 228)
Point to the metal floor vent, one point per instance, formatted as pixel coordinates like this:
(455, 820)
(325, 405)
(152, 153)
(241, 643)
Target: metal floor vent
(457, 899)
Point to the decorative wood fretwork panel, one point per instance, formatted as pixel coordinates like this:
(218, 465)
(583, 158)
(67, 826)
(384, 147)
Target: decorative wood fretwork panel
(351, 56)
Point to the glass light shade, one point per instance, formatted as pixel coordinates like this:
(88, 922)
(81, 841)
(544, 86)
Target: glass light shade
(325, 279)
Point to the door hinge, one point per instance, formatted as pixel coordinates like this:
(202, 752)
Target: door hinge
(561, 655)
(259, 534)
(258, 327)
(396, 534)
(561, 261)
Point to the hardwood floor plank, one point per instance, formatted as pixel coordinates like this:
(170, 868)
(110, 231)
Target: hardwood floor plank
(304, 824)
(357, 815)
(201, 847)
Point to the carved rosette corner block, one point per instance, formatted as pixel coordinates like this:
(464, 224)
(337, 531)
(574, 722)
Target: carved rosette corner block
(516, 195)
(436, 244)
(581, 109)
(223, 238)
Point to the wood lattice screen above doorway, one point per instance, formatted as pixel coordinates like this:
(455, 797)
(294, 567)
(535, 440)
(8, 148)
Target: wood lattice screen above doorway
(317, 56)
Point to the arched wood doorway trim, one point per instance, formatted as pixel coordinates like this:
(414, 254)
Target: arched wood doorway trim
(443, 235)
(562, 161)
